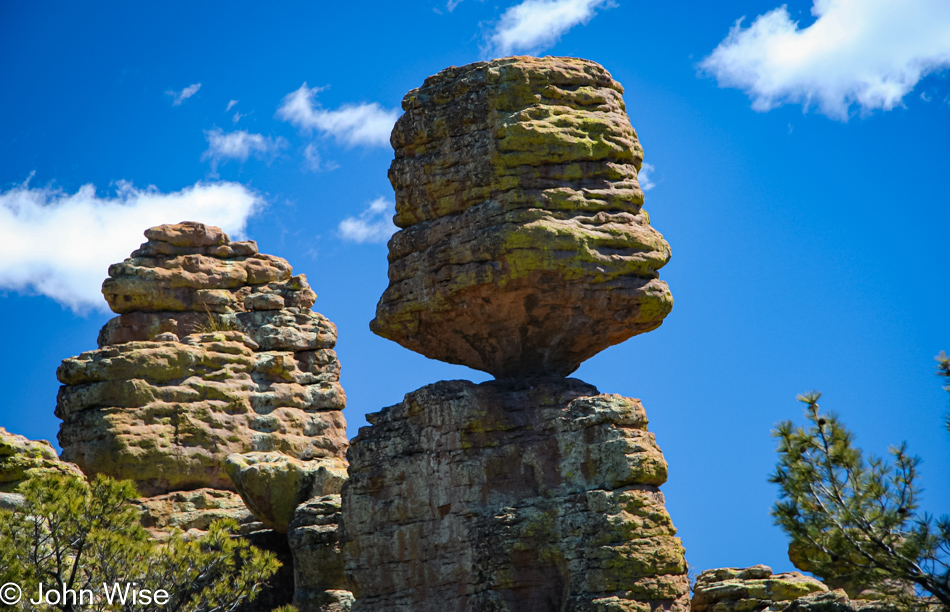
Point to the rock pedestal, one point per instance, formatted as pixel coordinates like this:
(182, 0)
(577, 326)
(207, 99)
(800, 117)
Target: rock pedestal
(510, 495)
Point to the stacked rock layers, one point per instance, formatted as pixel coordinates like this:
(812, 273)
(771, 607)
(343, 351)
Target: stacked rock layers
(510, 495)
(750, 589)
(216, 390)
(215, 351)
(524, 249)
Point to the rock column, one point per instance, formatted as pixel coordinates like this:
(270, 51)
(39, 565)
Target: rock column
(523, 251)
(215, 353)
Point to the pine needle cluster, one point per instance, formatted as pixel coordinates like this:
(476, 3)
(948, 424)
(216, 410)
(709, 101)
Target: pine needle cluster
(71, 535)
(857, 519)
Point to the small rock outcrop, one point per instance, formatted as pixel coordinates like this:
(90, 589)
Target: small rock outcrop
(215, 352)
(524, 249)
(319, 579)
(272, 485)
(757, 589)
(22, 459)
(510, 495)
(750, 589)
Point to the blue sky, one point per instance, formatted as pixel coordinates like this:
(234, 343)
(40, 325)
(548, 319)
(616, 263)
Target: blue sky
(798, 165)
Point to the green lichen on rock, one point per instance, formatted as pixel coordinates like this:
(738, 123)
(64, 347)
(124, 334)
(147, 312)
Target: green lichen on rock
(524, 249)
(538, 494)
(272, 485)
(750, 589)
(22, 459)
(215, 351)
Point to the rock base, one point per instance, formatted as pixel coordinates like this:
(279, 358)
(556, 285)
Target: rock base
(527, 495)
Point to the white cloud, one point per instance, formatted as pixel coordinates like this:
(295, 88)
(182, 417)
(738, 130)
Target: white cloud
(61, 245)
(535, 25)
(312, 155)
(644, 177)
(184, 94)
(451, 4)
(230, 105)
(374, 224)
(869, 53)
(238, 145)
(353, 124)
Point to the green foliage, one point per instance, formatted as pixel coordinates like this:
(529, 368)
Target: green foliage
(943, 369)
(856, 521)
(72, 535)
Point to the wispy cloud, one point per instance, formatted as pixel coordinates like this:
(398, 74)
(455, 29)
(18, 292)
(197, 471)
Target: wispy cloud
(60, 245)
(367, 124)
(451, 4)
(237, 117)
(535, 25)
(869, 53)
(180, 96)
(374, 224)
(643, 177)
(239, 145)
(230, 105)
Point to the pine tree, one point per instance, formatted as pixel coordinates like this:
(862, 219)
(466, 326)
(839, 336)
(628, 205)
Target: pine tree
(858, 520)
(71, 535)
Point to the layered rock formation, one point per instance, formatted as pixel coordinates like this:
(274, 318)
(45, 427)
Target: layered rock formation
(524, 248)
(523, 252)
(757, 589)
(215, 353)
(514, 495)
(320, 584)
(750, 589)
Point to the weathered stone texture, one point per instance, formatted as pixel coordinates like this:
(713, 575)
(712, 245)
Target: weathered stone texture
(757, 589)
(524, 249)
(22, 459)
(321, 585)
(272, 485)
(192, 512)
(749, 589)
(529, 495)
(216, 352)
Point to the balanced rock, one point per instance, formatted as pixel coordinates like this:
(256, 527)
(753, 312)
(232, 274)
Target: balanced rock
(514, 495)
(750, 589)
(272, 485)
(215, 352)
(22, 459)
(524, 249)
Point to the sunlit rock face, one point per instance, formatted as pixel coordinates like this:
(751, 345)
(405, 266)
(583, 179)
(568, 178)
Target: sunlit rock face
(524, 249)
(757, 589)
(510, 495)
(216, 351)
(22, 459)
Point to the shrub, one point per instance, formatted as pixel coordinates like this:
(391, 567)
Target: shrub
(72, 536)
